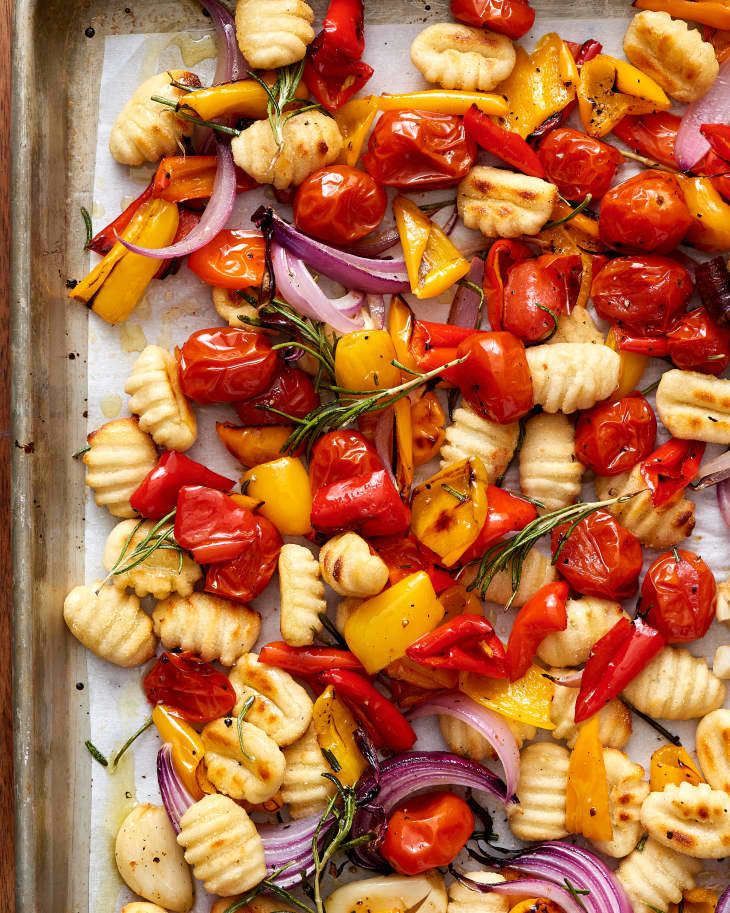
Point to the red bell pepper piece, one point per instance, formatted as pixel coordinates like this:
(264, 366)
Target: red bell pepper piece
(466, 643)
(243, 578)
(718, 136)
(343, 30)
(211, 525)
(157, 494)
(368, 503)
(190, 686)
(615, 661)
(502, 255)
(190, 177)
(405, 555)
(104, 240)
(652, 135)
(542, 614)
(434, 344)
(671, 468)
(506, 513)
(333, 84)
(505, 144)
(513, 18)
(382, 719)
(308, 661)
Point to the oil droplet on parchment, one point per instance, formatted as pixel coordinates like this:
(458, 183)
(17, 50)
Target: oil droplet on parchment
(132, 337)
(194, 50)
(111, 405)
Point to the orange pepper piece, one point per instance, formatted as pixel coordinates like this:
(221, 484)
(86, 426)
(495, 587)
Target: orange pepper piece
(671, 764)
(587, 809)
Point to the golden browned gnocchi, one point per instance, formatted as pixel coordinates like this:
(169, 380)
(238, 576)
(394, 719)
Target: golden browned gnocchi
(722, 609)
(676, 686)
(549, 469)
(281, 707)
(156, 397)
(571, 376)
(160, 574)
(394, 893)
(470, 435)
(712, 742)
(721, 662)
(212, 627)
(654, 877)
(691, 819)
(304, 789)
(537, 571)
(345, 608)
(503, 204)
(222, 845)
(230, 307)
(120, 455)
(577, 326)
(310, 141)
(146, 130)
(110, 623)
(350, 567)
(150, 860)
(614, 720)
(695, 407)
(540, 814)
(273, 33)
(673, 54)
(589, 618)
(658, 527)
(463, 899)
(142, 907)
(627, 790)
(464, 739)
(301, 594)
(242, 761)
(458, 57)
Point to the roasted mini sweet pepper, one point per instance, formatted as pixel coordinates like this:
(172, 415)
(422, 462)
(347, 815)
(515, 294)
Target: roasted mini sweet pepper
(696, 900)
(710, 230)
(107, 237)
(246, 98)
(466, 643)
(443, 101)
(355, 120)
(157, 494)
(282, 486)
(672, 765)
(706, 12)
(405, 555)
(542, 614)
(190, 177)
(364, 361)
(335, 729)
(254, 445)
(670, 469)
(428, 424)
(382, 628)
(527, 700)
(434, 344)
(307, 661)
(211, 525)
(187, 746)
(404, 445)
(401, 321)
(587, 806)
(507, 145)
(368, 503)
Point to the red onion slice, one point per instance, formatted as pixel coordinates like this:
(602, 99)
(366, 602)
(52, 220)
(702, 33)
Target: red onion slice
(713, 471)
(176, 799)
(570, 679)
(488, 724)
(466, 305)
(533, 887)
(723, 903)
(374, 244)
(712, 108)
(215, 216)
(231, 66)
(723, 500)
(376, 306)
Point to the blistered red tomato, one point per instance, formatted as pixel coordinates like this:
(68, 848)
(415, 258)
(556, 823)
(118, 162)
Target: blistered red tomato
(615, 435)
(418, 150)
(678, 596)
(211, 526)
(646, 213)
(599, 557)
(340, 455)
(537, 292)
(339, 204)
(188, 685)
(508, 17)
(233, 259)
(578, 164)
(244, 577)
(495, 379)
(426, 831)
(645, 292)
(291, 391)
(696, 342)
(225, 364)
(652, 135)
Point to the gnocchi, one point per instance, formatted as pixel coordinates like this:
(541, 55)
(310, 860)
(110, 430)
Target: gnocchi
(537, 571)
(503, 204)
(713, 748)
(304, 788)
(142, 907)
(655, 876)
(721, 662)
(627, 790)
(470, 435)
(694, 406)
(577, 326)
(676, 686)
(273, 33)
(549, 469)
(241, 761)
(571, 376)
(458, 57)
(230, 308)
(301, 595)
(119, 457)
(722, 609)
(589, 618)
(691, 819)
(465, 740)
(614, 720)
(463, 899)
(350, 567)
(540, 814)
(394, 893)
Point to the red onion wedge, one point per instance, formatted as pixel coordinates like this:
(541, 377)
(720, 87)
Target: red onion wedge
(383, 440)
(712, 108)
(723, 903)
(368, 275)
(230, 66)
(723, 500)
(215, 216)
(289, 845)
(373, 244)
(297, 287)
(466, 306)
(713, 471)
(490, 725)
(524, 888)
(376, 306)
(176, 799)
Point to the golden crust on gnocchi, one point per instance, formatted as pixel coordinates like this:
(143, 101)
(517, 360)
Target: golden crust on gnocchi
(301, 594)
(463, 899)
(537, 571)
(470, 435)
(503, 204)
(394, 893)
(655, 876)
(712, 741)
(350, 568)
(241, 761)
(273, 33)
(589, 618)
(614, 720)
(459, 57)
(230, 307)
(695, 406)
(577, 326)
(540, 814)
(571, 376)
(304, 789)
(691, 819)
(119, 457)
(549, 469)
(627, 790)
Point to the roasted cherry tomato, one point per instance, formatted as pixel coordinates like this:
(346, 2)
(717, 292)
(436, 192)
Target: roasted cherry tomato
(426, 831)
(508, 17)
(615, 435)
(652, 135)
(418, 150)
(697, 343)
(647, 213)
(642, 292)
(506, 513)
(233, 259)
(599, 557)
(292, 391)
(405, 555)
(495, 379)
(339, 204)
(191, 687)
(225, 364)
(243, 578)
(678, 596)
(211, 526)
(340, 455)
(368, 503)
(536, 293)
(670, 469)
(578, 164)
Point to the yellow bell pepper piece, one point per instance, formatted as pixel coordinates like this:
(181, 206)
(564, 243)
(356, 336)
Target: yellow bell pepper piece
(711, 228)
(457, 600)
(400, 327)
(246, 502)
(187, 747)
(586, 802)
(404, 444)
(282, 486)
(449, 509)
(252, 446)
(697, 900)
(527, 700)
(246, 98)
(443, 101)
(429, 428)
(382, 628)
(335, 728)
(115, 286)
(541, 84)
(432, 262)
(631, 368)
(354, 120)
(671, 765)
(364, 361)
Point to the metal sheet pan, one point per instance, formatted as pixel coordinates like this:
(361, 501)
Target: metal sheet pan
(56, 62)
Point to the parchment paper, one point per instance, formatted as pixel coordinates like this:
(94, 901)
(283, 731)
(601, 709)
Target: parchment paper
(171, 310)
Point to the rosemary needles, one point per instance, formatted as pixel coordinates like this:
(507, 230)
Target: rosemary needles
(160, 537)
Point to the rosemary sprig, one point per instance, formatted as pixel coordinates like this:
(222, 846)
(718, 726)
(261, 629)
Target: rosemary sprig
(247, 705)
(281, 94)
(81, 452)
(584, 204)
(649, 163)
(120, 754)
(554, 317)
(576, 893)
(95, 753)
(183, 110)
(459, 495)
(88, 226)
(650, 721)
(336, 837)
(510, 555)
(160, 537)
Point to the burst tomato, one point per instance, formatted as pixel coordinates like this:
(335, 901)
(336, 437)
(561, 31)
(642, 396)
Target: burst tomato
(616, 434)
(188, 685)
(225, 364)
(697, 343)
(233, 259)
(210, 524)
(244, 577)
(513, 18)
(578, 164)
(599, 558)
(652, 135)
(339, 204)
(536, 293)
(648, 212)
(678, 596)
(340, 455)
(495, 379)
(426, 831)
(418, 150)
(291, 391)
(645, 292)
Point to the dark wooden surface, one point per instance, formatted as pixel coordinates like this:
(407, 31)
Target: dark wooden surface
(7, 877)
